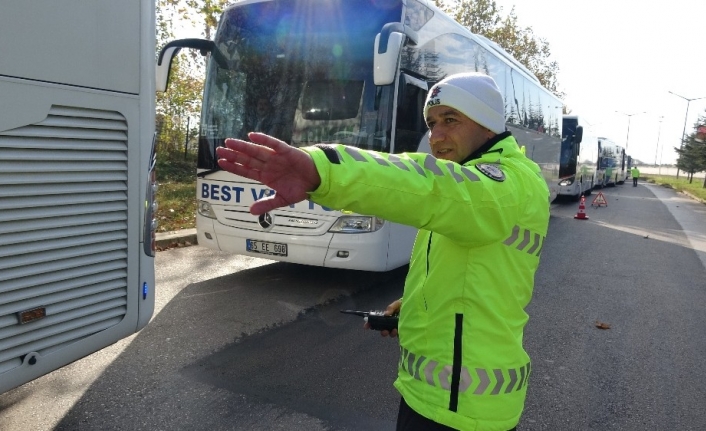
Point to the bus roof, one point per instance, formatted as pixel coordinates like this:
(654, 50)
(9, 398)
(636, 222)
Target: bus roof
(486, 43)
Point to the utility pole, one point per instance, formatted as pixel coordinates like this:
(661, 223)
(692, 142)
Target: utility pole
(688, 101)
(659, 131)
(186, 141)
(627, 138)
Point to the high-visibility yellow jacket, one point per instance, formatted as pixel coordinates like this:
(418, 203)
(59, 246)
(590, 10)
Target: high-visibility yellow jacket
(635, 172)
(481, 229)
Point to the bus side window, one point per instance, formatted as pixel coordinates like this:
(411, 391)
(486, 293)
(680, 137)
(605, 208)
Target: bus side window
(410, 127)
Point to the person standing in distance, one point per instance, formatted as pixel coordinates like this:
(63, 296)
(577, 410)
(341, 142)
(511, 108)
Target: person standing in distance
(482, 210)
(635, 175)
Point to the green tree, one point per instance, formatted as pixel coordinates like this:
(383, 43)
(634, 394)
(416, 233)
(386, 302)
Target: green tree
(479, 16)
(179, 108)
(200, 12)
(692, 154)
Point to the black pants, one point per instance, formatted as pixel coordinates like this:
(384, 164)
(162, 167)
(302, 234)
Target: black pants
(409, 420)
(634, 182)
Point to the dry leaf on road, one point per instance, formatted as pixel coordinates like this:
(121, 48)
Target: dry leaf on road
(602, 325)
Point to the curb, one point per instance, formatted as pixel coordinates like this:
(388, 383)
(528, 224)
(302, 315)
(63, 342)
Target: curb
(683, 192)
(694, 197)
(177, 238)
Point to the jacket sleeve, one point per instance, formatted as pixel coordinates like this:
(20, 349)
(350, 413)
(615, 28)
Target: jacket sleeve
(419, 190)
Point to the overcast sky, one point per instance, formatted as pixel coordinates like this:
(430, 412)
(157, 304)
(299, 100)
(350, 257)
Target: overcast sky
(625, 55)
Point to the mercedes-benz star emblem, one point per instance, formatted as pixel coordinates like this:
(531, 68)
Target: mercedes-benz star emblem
(266, 220)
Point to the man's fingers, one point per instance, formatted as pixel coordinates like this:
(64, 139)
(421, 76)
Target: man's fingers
(393, 308)
(261, 146)
(249, 149)
(252, 154)
(238, 169)
(269, 203)
(248, 158)
(268, 141)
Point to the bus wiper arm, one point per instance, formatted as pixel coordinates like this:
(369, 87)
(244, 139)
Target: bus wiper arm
(208, 172)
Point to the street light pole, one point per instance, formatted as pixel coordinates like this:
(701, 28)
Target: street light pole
(659, 131)
(627, 137)
(683, 132)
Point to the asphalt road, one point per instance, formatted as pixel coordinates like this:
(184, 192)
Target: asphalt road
(245, 344)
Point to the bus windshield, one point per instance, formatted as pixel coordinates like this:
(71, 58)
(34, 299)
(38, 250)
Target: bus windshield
(569, 148)
(302, 75)
(609, 162)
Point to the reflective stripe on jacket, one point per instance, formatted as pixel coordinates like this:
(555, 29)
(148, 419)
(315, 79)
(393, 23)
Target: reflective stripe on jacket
(481, 230)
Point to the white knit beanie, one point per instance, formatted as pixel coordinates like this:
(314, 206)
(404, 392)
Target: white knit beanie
(474, 94)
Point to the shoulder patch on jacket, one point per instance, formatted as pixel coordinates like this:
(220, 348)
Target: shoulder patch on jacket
(330, 152)
(491, 171)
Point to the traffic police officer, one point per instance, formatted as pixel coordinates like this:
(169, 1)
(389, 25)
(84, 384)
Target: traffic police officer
(635, 175)
(482, 210)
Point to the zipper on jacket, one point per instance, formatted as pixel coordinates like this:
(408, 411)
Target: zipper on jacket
(457, 359)
(429, 251)
(424, 297)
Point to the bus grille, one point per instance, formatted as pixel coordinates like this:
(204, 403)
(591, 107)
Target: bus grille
(63, 230)
(284, 222)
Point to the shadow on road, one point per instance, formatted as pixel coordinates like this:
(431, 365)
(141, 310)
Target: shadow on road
(244, 351)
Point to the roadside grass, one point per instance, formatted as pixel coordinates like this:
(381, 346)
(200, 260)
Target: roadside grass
(695, 189)
(176, 194)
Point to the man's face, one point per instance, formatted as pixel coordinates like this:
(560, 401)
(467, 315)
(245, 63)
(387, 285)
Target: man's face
(263, 106)
(452, 135)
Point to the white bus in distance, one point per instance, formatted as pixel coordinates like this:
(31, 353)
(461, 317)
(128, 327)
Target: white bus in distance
(621, 171)
(355, 72)
(578, 166)
(77, 180)
(612, 162)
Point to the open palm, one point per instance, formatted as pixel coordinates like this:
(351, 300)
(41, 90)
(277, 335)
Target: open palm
(289, 171)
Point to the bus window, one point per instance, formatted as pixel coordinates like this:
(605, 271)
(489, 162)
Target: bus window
(410, 117)
(331, 100)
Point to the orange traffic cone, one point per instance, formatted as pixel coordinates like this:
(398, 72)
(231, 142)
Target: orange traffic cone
(581, 215)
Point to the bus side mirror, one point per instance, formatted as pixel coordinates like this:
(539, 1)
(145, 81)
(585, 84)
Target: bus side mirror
(388, 44)
(578, 137)
(170, 50)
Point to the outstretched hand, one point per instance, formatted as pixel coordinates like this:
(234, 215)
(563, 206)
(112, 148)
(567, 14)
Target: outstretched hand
(289, 171)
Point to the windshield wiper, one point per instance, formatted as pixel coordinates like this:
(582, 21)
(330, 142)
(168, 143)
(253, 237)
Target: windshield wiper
(208, 172)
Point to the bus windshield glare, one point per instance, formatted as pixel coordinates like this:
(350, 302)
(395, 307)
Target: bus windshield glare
(300, 72)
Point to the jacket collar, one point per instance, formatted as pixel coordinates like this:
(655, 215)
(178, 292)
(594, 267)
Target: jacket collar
(487, 146)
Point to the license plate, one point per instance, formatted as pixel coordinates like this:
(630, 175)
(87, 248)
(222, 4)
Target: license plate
(264, 247)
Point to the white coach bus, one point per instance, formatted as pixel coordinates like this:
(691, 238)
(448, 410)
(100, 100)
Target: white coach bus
(612, 162)
(339, 71)
(578, 166)
(76, 180)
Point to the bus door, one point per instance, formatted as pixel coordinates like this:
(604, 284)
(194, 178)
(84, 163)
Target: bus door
(410, 126)
(570, 149)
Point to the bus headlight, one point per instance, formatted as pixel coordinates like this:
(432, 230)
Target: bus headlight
(357, 224)
(206, 210)
(567, 181)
